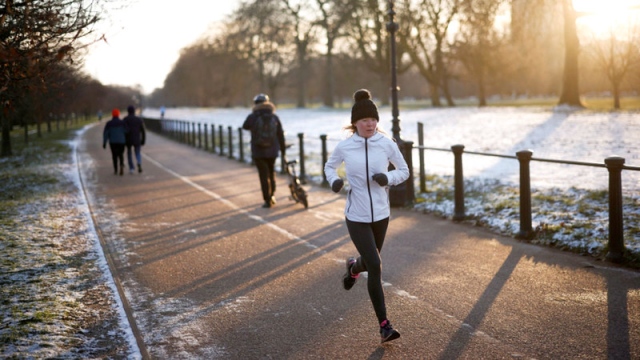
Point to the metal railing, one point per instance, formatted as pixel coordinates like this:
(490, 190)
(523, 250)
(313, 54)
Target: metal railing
(190, 133)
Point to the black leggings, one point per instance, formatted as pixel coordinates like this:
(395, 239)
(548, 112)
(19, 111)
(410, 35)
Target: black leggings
(267, 176)
(368, 239)
(117, 153)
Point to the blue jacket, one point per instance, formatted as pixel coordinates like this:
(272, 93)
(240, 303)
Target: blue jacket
(115, 132)
(278, 146)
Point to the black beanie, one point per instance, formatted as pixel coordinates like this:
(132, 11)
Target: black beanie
(364, 107)
(131, 110)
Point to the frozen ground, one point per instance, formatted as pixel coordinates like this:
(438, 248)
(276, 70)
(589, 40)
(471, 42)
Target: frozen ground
(57, 293)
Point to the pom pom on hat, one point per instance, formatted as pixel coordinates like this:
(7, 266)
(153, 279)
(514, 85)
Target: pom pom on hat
(364, 107)
(115, 113)
(362, 94)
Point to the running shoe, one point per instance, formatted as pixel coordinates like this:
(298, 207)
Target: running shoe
(387, 332)
(348, 280)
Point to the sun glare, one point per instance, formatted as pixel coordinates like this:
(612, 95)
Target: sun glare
(602, 16)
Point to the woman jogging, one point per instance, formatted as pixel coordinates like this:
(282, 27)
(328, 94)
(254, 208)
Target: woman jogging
(366, 155)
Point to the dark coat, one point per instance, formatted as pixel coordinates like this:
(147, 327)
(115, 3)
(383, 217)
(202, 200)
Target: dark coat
(137, 134)
(115, 132)
(278, 146)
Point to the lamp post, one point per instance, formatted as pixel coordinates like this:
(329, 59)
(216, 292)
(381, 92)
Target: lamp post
(403, 194)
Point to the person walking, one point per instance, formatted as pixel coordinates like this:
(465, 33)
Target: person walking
(115, 132)
(267, 141)
(135, 137)
(366, 155)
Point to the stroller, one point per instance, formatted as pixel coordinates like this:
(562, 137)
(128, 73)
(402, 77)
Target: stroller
(298, 194)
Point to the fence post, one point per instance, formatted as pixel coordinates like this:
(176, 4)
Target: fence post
(616, 235)
(221, 139)
(458, 181)
(199, 135)
(213, 138)
(303, 173)
(526, 230)
(193, 134)
(423, 177)
(185, 132)
(240, 145)
(206, 138)
(230, 136)
(323, 139)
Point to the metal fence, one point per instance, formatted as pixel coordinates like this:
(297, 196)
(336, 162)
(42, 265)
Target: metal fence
(230, 143)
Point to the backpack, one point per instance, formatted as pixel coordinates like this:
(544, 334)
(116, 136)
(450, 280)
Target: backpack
(266, 128)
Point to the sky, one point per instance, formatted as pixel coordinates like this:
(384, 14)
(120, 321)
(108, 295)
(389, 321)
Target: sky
(143, 40)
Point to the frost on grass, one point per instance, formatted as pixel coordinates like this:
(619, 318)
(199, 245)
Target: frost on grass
(572, 219)
(56, 302)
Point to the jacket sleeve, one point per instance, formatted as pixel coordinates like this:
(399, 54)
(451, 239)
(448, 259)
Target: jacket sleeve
(105, 135)
(331, 166)
(401, 171)
(248, 122)
(143, 133)
(281, 136)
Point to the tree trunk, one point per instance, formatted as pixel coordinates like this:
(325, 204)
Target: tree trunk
(570, 92)
(6, 135)
(434, 92)
(302, 72)
(329, 82)
(482, 96)
(616, 95)
(447, 93)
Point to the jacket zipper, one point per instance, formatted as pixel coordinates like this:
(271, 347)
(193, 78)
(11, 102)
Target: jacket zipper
(366, 154)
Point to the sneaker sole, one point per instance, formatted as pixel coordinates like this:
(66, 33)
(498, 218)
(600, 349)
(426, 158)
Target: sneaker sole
(393, 336)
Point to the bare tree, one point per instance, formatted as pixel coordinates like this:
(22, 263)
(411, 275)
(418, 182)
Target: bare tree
(334, 15)
(570, 94)
(424, 34)
(370, 38)
(34, 35)
(259, 31)
(616, 56)
(304, 30)
(478, 45)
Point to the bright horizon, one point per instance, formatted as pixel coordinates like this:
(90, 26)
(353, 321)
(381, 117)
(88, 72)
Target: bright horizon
(143, 40)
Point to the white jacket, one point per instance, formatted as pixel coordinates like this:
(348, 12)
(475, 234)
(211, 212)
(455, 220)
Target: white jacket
(363, 157)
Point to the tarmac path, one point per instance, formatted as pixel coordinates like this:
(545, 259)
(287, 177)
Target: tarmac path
(210, 274)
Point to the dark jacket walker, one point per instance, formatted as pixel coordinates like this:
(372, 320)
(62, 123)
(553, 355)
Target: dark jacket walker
(265, 157)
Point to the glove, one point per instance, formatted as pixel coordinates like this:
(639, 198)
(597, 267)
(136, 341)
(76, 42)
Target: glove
(337, 185)
(381, 179)
(104, 146)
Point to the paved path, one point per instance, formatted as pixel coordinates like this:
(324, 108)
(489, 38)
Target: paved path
(210, 274)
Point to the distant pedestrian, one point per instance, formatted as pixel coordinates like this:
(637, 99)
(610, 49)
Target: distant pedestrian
(136, 137)
(162, 111)
(267, 141)
(99, 115)
(366, 155)
(115, 132)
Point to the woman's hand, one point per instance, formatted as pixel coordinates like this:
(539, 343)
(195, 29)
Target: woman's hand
(381, 179)
(337, 185)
